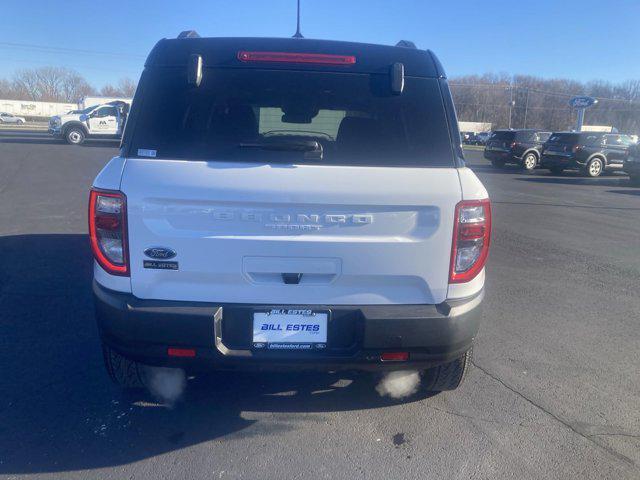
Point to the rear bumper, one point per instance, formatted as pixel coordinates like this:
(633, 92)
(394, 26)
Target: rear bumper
(504, 156)
(221, 334)
(632, 168)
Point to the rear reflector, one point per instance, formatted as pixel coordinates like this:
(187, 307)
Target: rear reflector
(394, 356)
(290, 57)
(181, 352)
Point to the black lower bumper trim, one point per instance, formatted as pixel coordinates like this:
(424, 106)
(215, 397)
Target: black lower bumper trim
(221, 333)
(507, 157)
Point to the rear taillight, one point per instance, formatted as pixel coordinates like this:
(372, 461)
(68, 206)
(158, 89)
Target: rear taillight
(108, 231)
(471, 239)
(291, 57)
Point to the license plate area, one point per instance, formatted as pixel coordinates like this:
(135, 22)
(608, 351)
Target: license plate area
(290, 329)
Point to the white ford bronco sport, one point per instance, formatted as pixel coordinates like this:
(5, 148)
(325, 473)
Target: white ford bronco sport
(289, 203)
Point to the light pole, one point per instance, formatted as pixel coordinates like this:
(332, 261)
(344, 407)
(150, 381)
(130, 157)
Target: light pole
(526, 107)
(511, 104)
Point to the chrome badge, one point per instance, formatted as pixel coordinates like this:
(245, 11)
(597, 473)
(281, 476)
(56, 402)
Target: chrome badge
(160, 253)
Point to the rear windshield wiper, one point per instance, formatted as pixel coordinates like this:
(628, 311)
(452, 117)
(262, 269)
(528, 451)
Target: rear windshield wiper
(312, 149)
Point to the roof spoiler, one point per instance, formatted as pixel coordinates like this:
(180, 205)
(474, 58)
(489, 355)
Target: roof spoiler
(189, 34)
(406, 44)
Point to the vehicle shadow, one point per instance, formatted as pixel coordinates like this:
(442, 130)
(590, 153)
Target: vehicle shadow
(608, 181)
(507, 169)
(59, 410)
(635, 192)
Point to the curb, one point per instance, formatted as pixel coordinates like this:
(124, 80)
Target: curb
(24, 128)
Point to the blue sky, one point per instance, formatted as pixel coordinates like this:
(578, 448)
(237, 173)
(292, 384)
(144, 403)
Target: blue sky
(582, 40)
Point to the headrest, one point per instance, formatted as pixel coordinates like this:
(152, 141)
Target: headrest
(354, 130)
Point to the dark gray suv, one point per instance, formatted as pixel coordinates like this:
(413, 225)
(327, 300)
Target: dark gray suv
(590, 152)
(522, 147)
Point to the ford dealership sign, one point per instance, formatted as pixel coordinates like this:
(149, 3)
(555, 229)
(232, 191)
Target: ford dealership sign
(582, 102)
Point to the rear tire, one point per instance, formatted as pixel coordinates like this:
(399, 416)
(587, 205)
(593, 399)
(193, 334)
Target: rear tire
(74, 136)
(594, 168)
(556, 170)
(123, 372)
(448, 376)
(530, 162)
(497, 163)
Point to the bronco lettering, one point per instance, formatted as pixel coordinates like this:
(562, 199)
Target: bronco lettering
(299, 221)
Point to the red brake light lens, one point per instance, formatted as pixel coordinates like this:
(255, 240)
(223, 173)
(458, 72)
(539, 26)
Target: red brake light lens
(394, 357)
(108, 231)
(290, 57)
(471, 239)
(181, 352)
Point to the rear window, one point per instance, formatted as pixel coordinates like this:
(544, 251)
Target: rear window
(234, 113)
(627, 140)
(543, 136)
(526, 136)
(565, 138)
(503, 136)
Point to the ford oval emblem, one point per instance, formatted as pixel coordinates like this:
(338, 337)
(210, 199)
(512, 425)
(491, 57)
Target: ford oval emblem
(160, 252)
(582, 102)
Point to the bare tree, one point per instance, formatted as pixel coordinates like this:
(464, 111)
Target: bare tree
(537, 102)
(543, 103)
(109, 91)
(49, 81)
(75, 87)
(25, 83)
(127, 87)
(7, 91)
(50, 84)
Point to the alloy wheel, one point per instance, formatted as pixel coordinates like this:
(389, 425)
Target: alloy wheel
(595, 167)
(530, 161)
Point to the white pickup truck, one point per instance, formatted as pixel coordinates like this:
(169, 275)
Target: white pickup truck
(97, 121)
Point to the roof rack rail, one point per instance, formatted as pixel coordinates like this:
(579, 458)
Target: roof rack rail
(189, 34)
(406, 44)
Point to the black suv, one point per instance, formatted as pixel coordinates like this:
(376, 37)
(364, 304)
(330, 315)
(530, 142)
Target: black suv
(466, 137)
(632, 164)
(590, 152)
(522, 147)
(482, 138)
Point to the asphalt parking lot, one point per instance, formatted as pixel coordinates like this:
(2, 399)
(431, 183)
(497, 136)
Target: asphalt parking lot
(554, 393)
